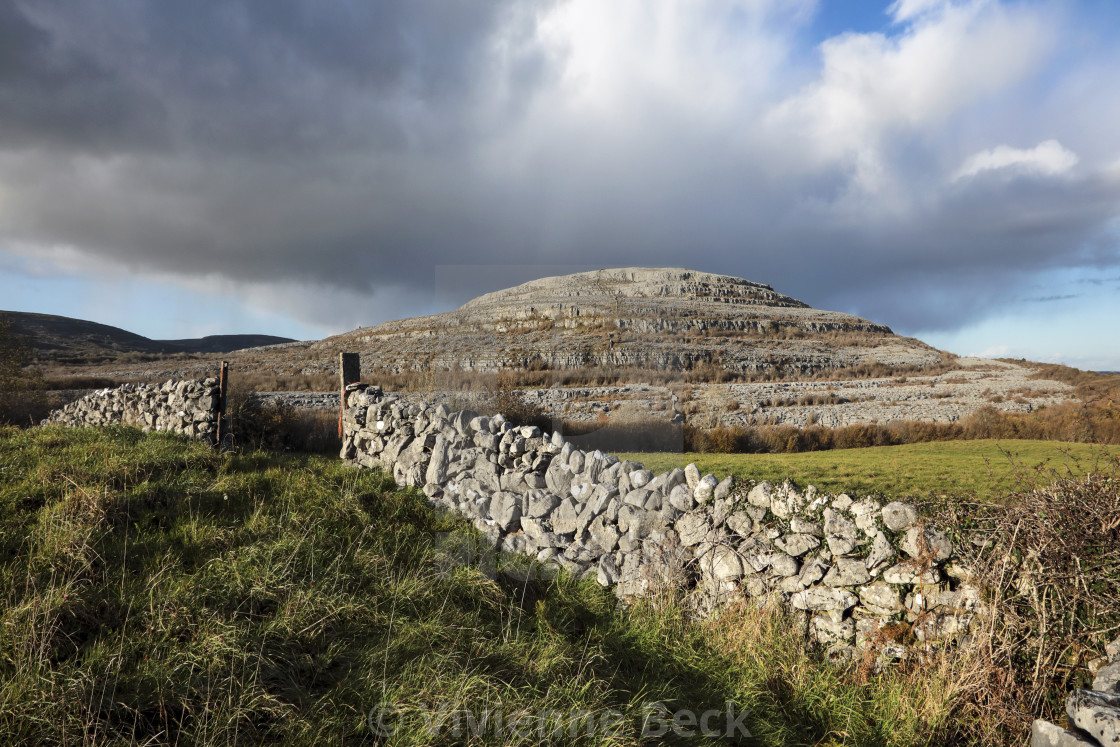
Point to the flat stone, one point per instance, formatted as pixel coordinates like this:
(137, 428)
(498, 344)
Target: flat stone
(1046, 734)
(906, 573)
(803, 526)
(880, 599)
(847, 572)
(797, 545)
(821, 599)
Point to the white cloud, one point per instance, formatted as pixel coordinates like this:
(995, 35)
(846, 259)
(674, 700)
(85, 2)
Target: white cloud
(873, 89)
(995, 351)
(1048, 158)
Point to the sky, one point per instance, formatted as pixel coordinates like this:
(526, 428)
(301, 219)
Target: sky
(950, 168)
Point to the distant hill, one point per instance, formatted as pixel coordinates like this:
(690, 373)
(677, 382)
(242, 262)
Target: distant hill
(637, 317)
(65, 339)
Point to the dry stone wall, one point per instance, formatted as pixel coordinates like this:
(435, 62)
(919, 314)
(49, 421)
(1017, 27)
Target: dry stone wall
(860, 571)
(189, 407)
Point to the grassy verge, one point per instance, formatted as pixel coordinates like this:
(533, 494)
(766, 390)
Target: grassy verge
(983, 469)
(156, 592)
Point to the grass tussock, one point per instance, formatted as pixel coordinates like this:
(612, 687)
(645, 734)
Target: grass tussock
(155, 591)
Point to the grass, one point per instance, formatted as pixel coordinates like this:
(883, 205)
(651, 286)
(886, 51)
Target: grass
(981, 469)
(156, 592)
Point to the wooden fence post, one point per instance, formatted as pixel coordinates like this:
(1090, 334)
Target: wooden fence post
(223, 392)
(349, 372)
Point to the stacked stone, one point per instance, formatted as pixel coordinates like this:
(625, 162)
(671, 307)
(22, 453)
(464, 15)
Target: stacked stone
(854, 567)
(1094, 715)
(188, 406)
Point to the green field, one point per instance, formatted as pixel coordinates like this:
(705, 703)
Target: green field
(984, 470)
(155, 592)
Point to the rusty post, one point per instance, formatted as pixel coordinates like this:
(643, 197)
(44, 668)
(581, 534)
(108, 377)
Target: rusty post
(220, 405)
(350, 372)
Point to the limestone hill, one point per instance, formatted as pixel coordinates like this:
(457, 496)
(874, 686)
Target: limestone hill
(633, 317)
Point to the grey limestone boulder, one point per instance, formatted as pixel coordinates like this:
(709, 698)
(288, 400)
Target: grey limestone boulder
(926, 541)
(797, 545)
(847, 572)
(681, 498)
(541, 505)
(821, 599)
(830, 632)
(880, 599)
(692, 476)
(705, 488)
(907, 572)
(784, 565)
(1095, 713)
(837, 525)
(723, 489)
(760, 495)
(899, 516)
(1108, 678)
(1046, 734)
(803, 526)
(693, 527)
(639, 478)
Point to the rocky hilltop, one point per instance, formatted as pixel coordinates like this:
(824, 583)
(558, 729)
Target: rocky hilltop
(664, 318)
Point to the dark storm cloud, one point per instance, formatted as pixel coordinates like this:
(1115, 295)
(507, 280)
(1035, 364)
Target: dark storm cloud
(356, 148)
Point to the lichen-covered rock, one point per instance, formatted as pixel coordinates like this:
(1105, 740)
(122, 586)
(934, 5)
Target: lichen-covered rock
(819, 599)
(797, 545)
(926, 542)
(1095, 713)
(847, 572)
(1046, 734)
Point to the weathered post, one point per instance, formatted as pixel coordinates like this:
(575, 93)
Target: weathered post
(220, 405)
(350, 372)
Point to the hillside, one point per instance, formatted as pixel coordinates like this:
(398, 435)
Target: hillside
(60, 338)
(634, 317)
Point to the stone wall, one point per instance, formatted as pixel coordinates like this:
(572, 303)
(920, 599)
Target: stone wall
(189, 407)
(864, 574)
(1094, 715)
